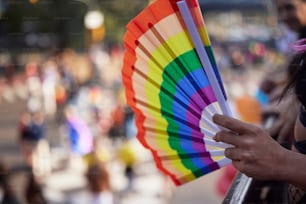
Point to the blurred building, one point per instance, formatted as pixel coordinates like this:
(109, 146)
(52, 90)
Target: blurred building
(240, 20)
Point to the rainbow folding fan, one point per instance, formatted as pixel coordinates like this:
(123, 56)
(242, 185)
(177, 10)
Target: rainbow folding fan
(173, 85)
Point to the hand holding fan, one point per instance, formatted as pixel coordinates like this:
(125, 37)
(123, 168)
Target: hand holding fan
(173, 85)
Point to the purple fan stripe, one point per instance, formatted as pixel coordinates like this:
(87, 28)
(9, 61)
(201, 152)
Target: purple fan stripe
(197, 133)
(184, 10)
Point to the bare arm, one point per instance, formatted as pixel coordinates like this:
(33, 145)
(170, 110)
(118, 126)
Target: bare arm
(294, 169)
(258, 155)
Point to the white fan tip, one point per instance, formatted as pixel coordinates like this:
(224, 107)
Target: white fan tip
(213, 143)
(216, 153)
(224, 162)
(207, 133)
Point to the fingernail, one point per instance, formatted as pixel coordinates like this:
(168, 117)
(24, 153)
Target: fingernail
(214, 116)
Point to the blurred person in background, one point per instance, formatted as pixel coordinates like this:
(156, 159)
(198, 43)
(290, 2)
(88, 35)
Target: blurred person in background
(99, 184)
(32, 130)
(60, 101)
(127, 155)
(33, 82)
(34, 192)
(101, 153)
(49, 80)
(25, 135)
(80, 136)
(7, 195)
(279, 115)
(130, 129)
(41, 158)
(35, 148)
(38, 126)
(9, 72)
(117, 128)
(257, 155)
(293, 14)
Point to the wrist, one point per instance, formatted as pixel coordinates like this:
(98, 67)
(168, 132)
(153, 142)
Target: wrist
(292, 167)
(284, 165)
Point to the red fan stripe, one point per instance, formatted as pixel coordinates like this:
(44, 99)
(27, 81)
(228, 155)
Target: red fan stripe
(140, 118)
(153, 14)
(136, 28)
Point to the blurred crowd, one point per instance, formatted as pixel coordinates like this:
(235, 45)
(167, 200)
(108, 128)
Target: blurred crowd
(83, 96)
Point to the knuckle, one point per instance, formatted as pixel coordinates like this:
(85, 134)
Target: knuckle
(248, 142)
(228, 153)
(220, 135)
(246, 156)
(256, 130)
(226, 122)
(223, 132)
(217, 136)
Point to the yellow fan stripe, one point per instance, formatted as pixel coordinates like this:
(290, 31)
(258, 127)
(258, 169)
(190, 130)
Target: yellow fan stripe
(154, 55)
(156, 49)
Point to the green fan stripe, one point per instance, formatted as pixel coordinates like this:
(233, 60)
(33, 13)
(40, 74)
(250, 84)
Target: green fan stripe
(175, 71)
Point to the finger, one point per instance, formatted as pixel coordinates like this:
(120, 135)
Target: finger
(232, 153)
(227, 137)
(231, 124)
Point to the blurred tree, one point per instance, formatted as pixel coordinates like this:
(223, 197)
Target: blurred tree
(33, 1)
(117, 14)
(31, 25)
(25, 23)
(69, 18)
